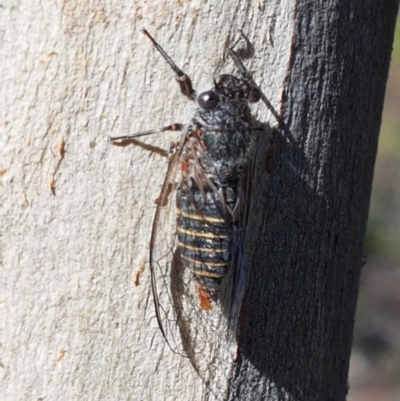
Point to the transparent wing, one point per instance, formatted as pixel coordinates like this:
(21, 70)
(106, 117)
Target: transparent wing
(185, 326)
(206, 336)
(189, 330)
(239, 268)
(161, 254)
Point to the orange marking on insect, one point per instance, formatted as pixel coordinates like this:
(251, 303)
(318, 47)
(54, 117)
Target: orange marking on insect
(184, 165)
(198, 133)
(204, 297)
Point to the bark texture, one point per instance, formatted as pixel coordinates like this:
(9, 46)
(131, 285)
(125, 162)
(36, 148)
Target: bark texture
(308, 252)
(77, 320)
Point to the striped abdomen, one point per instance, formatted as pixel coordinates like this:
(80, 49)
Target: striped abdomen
(204, 235)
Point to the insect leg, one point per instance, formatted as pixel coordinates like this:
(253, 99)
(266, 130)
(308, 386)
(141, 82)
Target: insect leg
(171, 127)
(239, 64)
(184, 81)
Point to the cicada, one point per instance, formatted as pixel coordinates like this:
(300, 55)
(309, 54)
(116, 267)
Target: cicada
(210, 171)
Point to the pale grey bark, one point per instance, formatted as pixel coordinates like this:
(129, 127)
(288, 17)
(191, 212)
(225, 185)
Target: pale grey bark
(74, 323)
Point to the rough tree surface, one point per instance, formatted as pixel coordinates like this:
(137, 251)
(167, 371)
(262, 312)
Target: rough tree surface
(77, 320)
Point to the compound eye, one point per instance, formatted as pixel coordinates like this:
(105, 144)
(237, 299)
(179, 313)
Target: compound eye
(208, 100)
(254, 95)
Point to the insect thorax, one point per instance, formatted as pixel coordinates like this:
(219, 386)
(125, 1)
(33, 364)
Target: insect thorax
(226, 132)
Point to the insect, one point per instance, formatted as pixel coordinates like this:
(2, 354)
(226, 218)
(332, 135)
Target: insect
(213, 164)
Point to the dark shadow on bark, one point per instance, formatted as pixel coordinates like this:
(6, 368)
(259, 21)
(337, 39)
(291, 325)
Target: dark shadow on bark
(307, 224)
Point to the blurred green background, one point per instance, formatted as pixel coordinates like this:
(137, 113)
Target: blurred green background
(375, 361)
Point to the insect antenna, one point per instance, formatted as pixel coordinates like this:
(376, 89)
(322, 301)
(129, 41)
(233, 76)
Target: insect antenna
(184, 81)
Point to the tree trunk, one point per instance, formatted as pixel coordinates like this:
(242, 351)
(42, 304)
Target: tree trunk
(78, 320)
